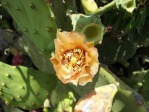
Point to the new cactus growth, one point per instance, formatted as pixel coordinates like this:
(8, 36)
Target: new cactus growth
(89, 6)
(128, 5)
(91, 26)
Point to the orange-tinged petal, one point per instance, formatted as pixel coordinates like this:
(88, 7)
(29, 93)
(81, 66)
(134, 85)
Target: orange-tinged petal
(87, 58)
(77, 38)
(54, 61)
(94, 69)
(93, 52)
(66, 42)
(70, 40)
(84, 80)
(90, 44)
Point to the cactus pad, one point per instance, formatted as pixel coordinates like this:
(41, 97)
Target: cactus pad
(35, 19)
(23, 87)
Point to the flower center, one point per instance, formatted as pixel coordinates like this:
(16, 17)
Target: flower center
(74, 59)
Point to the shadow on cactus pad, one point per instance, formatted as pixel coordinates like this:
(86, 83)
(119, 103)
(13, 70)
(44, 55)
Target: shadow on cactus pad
(111, 50)
(23, 87)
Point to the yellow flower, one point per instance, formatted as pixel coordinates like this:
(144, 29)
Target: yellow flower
(75, 61)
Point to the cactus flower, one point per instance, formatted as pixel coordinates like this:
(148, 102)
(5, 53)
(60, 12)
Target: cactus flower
(75, 60)
(99, 100)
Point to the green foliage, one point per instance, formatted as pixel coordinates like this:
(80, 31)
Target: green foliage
(38, 57)
(11, 109)
(61, 10)
(143, 37)
(112, 51)
(23, 87)
(35, 19)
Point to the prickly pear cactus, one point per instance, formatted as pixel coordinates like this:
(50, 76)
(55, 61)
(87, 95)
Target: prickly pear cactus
(37, 25)
(60, 8)
(23, 87)
(118, 51)
(91, 26)
(39, 58)
(35, 19)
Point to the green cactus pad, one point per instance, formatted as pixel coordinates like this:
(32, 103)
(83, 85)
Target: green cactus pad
(23, 87)
(91, 26)
(35, 19)
(111, 50)
(40, 60)
(60, 9)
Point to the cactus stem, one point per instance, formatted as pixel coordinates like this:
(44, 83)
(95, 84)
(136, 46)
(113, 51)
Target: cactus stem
(106, 8)
(31, 5)
(17, 8)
